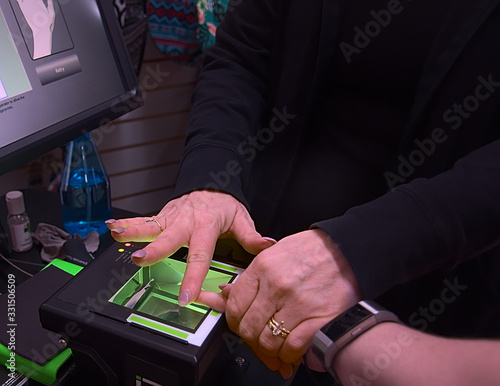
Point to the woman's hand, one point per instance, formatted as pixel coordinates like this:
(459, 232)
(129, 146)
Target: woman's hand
(195, 220)
(304, 280)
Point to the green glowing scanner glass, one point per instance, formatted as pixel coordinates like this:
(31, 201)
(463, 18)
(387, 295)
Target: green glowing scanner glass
(153, 292)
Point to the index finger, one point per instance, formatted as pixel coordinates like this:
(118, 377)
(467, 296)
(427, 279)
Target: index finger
(167, 243)
(138, 229)
(201, 249)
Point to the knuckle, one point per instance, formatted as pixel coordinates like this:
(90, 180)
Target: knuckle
(295, 345)
(266, 345)
(264, 263)
(206, 220)
(153, 249)
(282, 285)
(166, 237)
(245, 333)
(178, 214)
(196, 257)
(186, 211)
(232, 308)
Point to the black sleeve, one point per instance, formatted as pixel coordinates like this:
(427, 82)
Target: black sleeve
(423, 225)
(228, 101)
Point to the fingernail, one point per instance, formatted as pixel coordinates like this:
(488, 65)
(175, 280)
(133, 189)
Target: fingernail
(222, 286)
(141, 253)
(285, 375)
(110, 221)
(270, 239)
(118, 230)
(184, 298)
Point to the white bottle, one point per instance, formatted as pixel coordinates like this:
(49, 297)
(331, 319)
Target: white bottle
(18, 222)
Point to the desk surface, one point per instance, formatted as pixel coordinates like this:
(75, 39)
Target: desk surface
(42, 207)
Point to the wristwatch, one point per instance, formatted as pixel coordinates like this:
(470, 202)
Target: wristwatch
(347, 327)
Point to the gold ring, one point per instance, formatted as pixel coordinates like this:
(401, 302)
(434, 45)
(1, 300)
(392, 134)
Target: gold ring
(156, 221)
(277, 328)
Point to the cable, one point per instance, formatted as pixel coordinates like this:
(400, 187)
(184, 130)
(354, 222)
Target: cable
(27, 262)
(15, 266)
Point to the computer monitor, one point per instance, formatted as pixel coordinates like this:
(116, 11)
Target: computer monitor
(64, 70)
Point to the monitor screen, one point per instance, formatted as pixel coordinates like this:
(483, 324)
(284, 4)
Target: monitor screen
(64, 70)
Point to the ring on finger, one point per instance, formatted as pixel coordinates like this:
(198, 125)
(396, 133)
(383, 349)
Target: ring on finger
(277, 328)
(156, 221)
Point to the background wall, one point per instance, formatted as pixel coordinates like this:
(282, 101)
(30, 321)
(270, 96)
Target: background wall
(141, 151)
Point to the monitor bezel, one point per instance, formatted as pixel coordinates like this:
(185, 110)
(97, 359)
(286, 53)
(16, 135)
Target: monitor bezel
(26, 149)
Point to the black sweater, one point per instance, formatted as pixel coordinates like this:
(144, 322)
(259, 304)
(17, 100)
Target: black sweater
(256, 98)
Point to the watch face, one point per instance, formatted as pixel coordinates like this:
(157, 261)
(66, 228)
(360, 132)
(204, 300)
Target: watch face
(344, 322)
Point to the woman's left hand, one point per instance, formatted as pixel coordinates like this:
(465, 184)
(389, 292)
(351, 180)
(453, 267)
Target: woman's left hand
(303, 281)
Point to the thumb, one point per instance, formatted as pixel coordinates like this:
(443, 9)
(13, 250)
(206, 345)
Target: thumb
(214, 300)
(243, 230)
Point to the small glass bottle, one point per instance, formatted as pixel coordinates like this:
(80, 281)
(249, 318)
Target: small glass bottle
(18, 222)
(84, 190)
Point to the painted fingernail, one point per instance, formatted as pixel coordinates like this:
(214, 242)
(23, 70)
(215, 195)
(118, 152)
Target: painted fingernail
(140, 254)
(118, 230)
(110, 221)
(184, 298)
(270, 239)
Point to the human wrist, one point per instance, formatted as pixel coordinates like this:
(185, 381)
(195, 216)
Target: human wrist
(346, 327)
(346, 274)
(375, 356)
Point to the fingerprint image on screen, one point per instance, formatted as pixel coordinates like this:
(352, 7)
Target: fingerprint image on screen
(13, 78)
(154, 291)
(42, 26)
